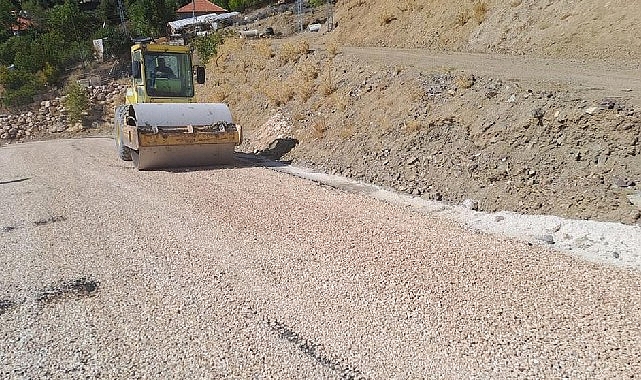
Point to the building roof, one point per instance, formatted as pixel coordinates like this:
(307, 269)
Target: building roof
(202, 6)
(178, 25)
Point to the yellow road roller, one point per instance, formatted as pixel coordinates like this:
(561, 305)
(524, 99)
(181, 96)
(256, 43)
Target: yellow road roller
(160, 125)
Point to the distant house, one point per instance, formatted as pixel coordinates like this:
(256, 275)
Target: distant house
(21, 25)
(198, 8)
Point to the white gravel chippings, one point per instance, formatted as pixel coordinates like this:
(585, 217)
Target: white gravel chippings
(245, 272)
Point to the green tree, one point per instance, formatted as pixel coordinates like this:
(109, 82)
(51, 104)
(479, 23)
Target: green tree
(41, 54)
(206, 46)
(116, 41)
(71, 23)
(149, 18)
(7, 19)
(19, 86)
(108, 12)
(76, 101)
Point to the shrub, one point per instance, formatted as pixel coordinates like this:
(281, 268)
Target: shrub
(207, 46)
(19, 87)
(319, 125)
(292, 51)
(480, 11)
(76, 101)
(279, 92)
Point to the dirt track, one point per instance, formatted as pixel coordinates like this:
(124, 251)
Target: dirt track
(593, 79)
(244, 272)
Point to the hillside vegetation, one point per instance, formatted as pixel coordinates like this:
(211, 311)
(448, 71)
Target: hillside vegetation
(41, 41)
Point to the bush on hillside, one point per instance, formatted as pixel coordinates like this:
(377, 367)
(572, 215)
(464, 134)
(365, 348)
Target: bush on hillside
(206, 46)
(19, 86)
(76, 101)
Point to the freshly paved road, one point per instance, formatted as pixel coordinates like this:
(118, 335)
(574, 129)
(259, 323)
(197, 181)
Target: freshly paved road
(243, 272)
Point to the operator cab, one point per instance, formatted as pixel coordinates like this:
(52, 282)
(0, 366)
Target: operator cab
(162, 73)
(168, 74)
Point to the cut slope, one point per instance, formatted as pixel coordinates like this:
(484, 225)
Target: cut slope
(569, 28)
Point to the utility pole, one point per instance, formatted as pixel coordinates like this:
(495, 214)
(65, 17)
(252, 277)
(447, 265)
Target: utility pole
(330, 16)
(121, 13)
(299, 15)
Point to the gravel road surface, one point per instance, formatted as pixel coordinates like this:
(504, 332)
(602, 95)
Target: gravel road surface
(245, 272)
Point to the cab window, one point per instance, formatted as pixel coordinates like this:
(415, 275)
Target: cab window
(168, 74)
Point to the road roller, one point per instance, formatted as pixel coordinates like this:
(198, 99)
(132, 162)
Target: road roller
(161, 125)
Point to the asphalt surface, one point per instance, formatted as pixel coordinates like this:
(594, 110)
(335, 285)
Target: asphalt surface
(245, 272)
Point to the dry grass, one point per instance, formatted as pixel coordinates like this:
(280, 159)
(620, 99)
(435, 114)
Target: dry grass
(480, 11)
(227, 51)
(465, 81)
(220, 93)
(304, 93)
(319, 126)
(293, 51)
(303, 80)
(308, 70)
(386, 16)
(412, 126)
(327, 85)
(261, 53)
(463, 17)
(410, 5)
(333, 50)
(278, 92)
(346, 131)
(340, 101)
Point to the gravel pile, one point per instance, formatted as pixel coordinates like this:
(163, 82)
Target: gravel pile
(244, 272)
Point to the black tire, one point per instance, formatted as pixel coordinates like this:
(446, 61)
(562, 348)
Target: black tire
(135, 158)
(124, 152)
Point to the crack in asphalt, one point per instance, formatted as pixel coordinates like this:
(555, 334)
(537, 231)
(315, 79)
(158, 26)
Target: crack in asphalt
(51, 219)
(311, 349)
(14, 181)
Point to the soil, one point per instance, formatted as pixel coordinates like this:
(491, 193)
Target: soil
(539, 124)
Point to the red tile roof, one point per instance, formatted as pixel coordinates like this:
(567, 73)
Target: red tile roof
(202, 6)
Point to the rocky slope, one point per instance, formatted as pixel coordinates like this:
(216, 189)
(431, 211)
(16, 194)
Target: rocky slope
(443, 133)
(49, 118)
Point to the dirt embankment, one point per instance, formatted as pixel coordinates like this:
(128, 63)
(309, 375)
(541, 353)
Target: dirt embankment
(587, 29)
(508, 138)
